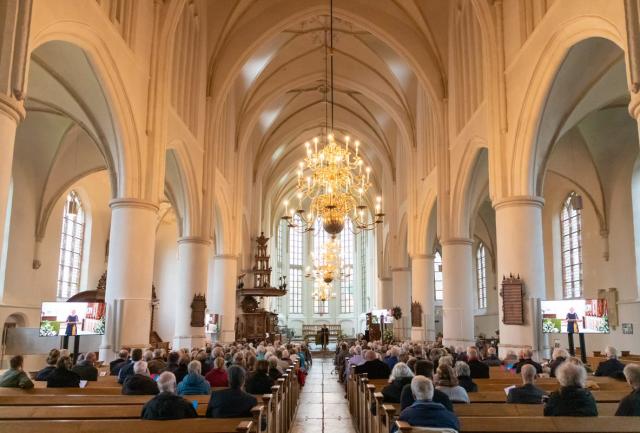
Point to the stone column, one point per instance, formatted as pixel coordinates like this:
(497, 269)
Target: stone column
(402, 298)
(222, 293)
(129, 275)
(422, 291)
(193, 259)
(457, 280)
(520, 251)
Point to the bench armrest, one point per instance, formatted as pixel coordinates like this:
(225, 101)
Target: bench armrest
(244, 426)
(403, 426)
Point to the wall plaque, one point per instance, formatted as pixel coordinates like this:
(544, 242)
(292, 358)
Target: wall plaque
(512, 300)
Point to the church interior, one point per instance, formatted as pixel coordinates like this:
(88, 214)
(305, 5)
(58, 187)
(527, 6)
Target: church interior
(312, 172)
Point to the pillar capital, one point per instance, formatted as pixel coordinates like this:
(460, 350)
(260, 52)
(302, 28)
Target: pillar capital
(194, 240)
(118, 203)
(519, 201)
(634, 105)
(457, 241)
(12, 108)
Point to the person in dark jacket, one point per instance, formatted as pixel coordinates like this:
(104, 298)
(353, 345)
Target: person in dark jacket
(424, 368)
(528, 393)
(157, 364)
(559, 356)
(52, 360)
(526, 356)
(62, 376)
(15, 377)
(572, 399)
(177, 364)
(401, 375)
(259, 382)
(167, 405)
(374, 368)
(127, 369)
(118, 363)
(274, 371)
(85, 368)
(424, 412)
(492, 359)
(611, 367)
(630, 405)
(194, 382)
(463, 373)
(477, 368)
(140, 383)
(232, 402)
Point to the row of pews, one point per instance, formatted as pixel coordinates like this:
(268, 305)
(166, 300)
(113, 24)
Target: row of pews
(489, 412)
(100, 408)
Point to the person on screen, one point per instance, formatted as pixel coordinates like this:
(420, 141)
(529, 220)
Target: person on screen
(15, 377)
(72, 324)
(572, 321)
(611, 367)
(630, 405)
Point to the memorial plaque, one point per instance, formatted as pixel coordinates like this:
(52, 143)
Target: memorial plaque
(512, 301)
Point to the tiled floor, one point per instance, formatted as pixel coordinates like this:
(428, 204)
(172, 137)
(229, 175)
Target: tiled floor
(322, 407)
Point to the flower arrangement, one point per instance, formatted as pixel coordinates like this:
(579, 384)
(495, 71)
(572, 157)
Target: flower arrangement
(396, 312)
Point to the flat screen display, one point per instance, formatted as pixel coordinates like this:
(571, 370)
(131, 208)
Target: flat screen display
(72, 318)
(573, 316)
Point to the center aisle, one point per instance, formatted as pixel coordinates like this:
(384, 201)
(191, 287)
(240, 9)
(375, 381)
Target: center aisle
(322, 406)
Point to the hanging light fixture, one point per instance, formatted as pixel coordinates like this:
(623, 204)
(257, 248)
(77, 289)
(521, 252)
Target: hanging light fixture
(331, 177)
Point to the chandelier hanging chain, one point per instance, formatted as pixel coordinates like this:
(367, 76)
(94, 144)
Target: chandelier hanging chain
(331, 56)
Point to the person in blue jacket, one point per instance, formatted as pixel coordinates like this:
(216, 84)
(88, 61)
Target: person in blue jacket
(194, 382)
(424, 412)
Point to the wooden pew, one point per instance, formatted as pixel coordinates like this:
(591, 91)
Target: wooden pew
(511, 410)
(198, 425)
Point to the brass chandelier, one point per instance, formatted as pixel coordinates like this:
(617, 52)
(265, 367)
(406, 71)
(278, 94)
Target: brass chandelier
(332, 178)
(326, 269)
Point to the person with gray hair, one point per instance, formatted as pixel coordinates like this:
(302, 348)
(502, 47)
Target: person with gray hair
(463, 373)
(157, 364)
(528, 393)
(572, 399)
(558, 356)
(194, 382)
(167, 405)
(85, 368)
(477, 368)
(526, 357)
(140, 383)
(401, 375)
(232, 402)
(612, 367)
(424, 412)
(492, 359)
(630, 405)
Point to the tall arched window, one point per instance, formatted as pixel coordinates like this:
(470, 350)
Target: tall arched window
(571, 245)
(347, 251)
(71, 243)
(296, 263)
(481, 273)
(437, 276)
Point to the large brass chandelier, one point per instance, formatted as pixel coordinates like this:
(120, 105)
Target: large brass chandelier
(332, 179)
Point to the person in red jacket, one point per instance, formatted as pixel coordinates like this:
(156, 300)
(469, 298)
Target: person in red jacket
(217, 376)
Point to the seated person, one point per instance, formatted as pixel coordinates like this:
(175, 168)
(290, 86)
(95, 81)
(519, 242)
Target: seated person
(259, 382)
(572, 399)
(126, 369)
(168, 405)
(355, 358)
(374, 368)
(526, 358)
(194, 382)
(217, 376)
(630, 405)
(477, 368)
(558, 356)
(400, 376)
(274, 370)
(157, 364)
(15, 377)
(232, 402)
(492, 359)
(52, 360)
(140, 383)
(611, 367)
(392, 357)
(424, 412)
(448, 383)
(62, 376)
(528, 393)
(510, 360)
(116, 364)
(463, 373)
(85, 367)
(424, 368)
